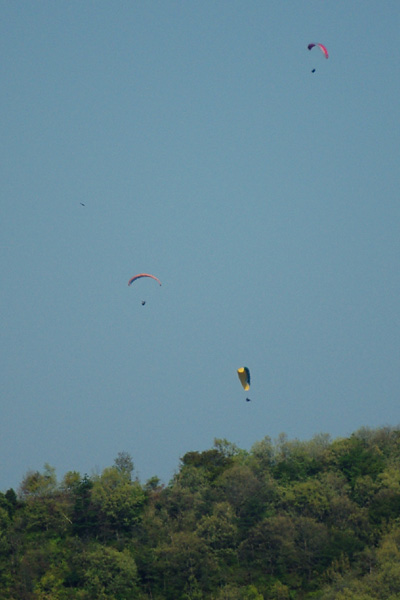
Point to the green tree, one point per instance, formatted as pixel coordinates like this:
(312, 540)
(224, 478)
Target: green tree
(294, 460)
(270, 547)
(124, 464)
(220, 533)
(46, 507)
(36, 484)
(355, 458)
(184, 556)
(109, 574)
(244, 492)
(232, 592)
(118, 501)
(85, 519)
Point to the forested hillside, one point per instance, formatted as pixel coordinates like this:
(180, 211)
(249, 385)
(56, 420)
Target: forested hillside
(286, 520)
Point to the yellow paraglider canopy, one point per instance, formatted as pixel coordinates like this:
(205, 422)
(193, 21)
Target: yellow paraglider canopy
(244, 376)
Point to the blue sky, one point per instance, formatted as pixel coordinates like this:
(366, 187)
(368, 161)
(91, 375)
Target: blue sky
(265, 197)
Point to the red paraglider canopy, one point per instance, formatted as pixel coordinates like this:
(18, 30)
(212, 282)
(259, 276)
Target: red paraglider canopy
(321, 47)
(143, 275)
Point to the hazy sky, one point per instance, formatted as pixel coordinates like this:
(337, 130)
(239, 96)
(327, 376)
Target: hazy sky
(264, 196)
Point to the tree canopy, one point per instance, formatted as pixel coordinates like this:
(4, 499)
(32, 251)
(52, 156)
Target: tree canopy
(286, 520)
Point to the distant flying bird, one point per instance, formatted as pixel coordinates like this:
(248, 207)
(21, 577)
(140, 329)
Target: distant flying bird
(143, 302)
(81, 203)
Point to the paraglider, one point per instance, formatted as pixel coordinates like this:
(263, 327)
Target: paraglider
(143, 275)
(321, 47)
(244, 376)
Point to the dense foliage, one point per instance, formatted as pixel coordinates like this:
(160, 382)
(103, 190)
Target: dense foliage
(287, 520)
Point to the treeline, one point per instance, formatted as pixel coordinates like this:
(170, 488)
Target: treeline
(288, 520)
